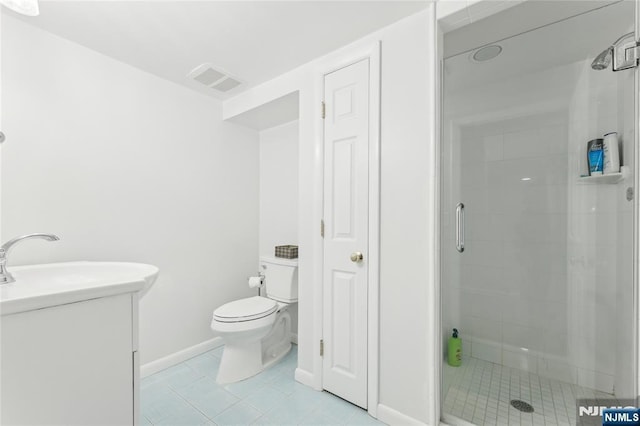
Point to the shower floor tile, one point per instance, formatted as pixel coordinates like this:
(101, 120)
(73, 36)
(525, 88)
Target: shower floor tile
(480, 392)
(187, 394)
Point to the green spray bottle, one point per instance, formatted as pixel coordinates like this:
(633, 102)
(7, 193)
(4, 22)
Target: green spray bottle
(454, 353)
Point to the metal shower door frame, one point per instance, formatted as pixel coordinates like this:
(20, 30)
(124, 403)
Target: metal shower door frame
(636, 219)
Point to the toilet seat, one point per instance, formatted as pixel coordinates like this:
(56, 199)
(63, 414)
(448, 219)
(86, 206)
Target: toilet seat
(249, 309)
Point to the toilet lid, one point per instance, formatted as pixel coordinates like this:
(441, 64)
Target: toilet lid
(247, 309)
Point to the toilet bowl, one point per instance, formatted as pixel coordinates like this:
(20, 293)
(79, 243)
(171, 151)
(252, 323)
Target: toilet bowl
(257, 330)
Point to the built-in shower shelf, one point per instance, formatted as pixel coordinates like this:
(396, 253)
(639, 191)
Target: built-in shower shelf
(610, 178)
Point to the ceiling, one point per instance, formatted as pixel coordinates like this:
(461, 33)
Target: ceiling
(253, 41)
(523, 17)
(579, 38)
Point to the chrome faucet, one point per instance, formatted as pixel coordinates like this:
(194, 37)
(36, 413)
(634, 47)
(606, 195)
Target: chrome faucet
(5, 276)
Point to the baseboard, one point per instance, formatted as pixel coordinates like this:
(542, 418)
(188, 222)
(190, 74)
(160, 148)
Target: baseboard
(294, 338)
(449, 420)
(304, 377)
(392, 417)
(178, 357)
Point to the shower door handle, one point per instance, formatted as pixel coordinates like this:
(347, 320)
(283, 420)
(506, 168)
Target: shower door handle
(460, 227)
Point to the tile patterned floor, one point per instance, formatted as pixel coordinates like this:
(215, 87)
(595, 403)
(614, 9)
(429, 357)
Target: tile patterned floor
(187, 394)
(480, 392)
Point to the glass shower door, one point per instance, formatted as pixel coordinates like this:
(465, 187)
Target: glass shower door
(543, 293)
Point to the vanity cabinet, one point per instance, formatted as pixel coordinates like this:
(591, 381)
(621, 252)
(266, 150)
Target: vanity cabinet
(71, 364)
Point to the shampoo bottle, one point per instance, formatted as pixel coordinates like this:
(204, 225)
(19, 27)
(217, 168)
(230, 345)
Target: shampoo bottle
(454, 353)
(595, 157)
(611, 153)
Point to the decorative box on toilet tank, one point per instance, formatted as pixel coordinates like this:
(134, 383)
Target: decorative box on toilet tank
(287, 252)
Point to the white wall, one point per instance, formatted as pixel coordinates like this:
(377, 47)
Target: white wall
(279, 192)
(125, 166)
(406, 376)
(278, 187)
(1, 18)
(407, 215)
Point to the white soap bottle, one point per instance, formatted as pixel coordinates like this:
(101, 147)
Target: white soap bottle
(611, 153)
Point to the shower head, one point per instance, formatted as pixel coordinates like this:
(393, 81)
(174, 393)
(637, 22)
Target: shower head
(603, 60)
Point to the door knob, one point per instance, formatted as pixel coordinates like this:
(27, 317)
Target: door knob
(356, 256)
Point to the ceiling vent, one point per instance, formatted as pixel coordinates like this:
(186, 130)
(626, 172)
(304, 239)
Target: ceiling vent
(214, 78)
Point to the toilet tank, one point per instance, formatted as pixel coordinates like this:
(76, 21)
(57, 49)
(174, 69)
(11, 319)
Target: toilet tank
(280, 278)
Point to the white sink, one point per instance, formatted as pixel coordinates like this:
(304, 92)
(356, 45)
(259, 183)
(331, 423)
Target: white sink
(41, 286)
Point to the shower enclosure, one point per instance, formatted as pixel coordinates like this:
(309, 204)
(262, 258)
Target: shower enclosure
(538, 257)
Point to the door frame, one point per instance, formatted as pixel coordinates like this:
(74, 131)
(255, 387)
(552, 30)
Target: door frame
(344, 58)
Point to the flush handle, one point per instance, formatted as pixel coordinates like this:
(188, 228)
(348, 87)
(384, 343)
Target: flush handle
(356, 257)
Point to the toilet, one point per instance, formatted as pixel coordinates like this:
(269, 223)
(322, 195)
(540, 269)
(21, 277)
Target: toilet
(257, 330)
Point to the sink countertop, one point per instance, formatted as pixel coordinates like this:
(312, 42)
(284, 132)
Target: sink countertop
(51, 284)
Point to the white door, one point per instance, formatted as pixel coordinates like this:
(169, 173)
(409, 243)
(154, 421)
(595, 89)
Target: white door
(346, 156)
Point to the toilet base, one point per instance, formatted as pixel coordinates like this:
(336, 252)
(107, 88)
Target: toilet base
(284, 350)
(242, 359)
(239, 362)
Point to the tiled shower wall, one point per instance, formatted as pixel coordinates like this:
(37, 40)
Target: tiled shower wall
(600, 237)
